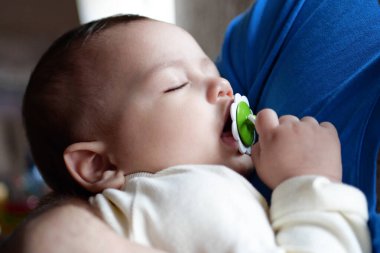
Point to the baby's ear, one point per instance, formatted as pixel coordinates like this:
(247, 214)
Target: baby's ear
(89, 165)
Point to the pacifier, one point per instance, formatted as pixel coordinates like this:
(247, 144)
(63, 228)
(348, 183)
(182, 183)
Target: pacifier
(243, 124)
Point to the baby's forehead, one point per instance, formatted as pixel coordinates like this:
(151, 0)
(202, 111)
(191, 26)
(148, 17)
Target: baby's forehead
(146, 29)
(105, 42)
(128, 51)
(128, 38)
(132, 29)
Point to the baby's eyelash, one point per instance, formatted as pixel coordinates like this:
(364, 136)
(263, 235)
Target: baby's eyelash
(176, 88)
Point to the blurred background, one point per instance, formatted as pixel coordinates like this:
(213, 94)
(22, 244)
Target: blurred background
(27, 28)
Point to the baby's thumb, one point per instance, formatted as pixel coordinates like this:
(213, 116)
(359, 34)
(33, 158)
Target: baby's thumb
(266, 120)
(255, 155)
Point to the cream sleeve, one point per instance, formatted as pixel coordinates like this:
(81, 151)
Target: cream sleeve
(313, 214)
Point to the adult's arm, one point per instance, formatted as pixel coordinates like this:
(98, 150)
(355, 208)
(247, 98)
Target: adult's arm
(69, 226)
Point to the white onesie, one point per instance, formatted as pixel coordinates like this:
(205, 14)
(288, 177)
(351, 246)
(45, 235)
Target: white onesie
(210, 208)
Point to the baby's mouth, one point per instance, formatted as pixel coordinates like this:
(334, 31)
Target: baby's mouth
(227, 127)
(226, 135)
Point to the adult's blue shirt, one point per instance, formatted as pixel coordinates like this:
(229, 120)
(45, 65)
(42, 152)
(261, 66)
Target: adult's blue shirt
(318, 58)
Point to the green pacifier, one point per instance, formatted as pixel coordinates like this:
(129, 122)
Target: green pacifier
(243, 123)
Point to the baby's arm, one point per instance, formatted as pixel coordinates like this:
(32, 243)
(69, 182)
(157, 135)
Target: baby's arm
(311, 210)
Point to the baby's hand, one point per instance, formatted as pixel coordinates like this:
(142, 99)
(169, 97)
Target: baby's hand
(290, 147)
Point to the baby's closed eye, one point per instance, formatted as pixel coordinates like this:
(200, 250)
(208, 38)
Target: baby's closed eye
(176, 87)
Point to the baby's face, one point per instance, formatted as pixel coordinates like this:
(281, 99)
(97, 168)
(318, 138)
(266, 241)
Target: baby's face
(172, 105)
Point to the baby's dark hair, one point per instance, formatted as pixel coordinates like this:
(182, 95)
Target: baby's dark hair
(60, 97)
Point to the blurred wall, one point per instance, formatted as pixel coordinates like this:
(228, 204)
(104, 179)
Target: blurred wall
(27, 28)
(207, 20)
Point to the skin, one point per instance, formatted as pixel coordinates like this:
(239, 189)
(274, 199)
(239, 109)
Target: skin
(79, 230)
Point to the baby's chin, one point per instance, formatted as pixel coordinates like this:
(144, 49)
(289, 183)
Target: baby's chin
(242, 165)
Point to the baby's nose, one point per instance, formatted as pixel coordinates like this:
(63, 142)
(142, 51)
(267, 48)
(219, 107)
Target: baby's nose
(218, 88)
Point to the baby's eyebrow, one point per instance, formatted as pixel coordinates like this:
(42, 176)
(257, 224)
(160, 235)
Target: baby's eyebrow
(206, 62)
(164, 65)
(203, 62)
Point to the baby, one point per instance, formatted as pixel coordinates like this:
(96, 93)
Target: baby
(131, 111)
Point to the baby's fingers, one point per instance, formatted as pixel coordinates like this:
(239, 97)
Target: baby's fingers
(330, 127)
(266, 120)
(310, 120)
(288, 119)
(327, 125)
